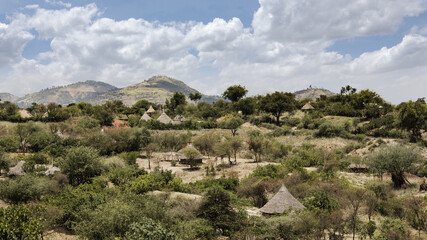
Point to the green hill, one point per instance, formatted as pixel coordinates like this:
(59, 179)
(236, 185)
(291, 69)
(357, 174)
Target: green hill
(73, 93)
(8, 97)
(156, 89)
(313, 93)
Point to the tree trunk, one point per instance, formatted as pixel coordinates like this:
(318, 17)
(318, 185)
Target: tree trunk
(398, 179)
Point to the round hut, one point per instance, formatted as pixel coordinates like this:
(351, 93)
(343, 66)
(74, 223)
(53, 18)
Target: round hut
(282, 201)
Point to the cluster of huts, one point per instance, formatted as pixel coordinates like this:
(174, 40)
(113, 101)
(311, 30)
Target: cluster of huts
(163, 118)
(18, 170)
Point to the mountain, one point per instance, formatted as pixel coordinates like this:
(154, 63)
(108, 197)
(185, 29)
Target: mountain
(8, 97)
(156, 89)
(73, 93)
(313, 93)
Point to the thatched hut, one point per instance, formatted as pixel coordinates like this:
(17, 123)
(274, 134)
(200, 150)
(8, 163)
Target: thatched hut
(17, 169)
(282, 201)
(150, 110)
(358, 168)
(307, 107)
(179, 119)
(164, 118)
(25, 114)
(172, 156)
(51, 170)
(145, 117)
(183, 159)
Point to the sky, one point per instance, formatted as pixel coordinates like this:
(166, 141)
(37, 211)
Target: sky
(265, 45)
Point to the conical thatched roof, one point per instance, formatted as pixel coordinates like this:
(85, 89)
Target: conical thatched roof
(179, 119)
(164, 118)
(145, 117)
(17, 169)
(282, 201)
(150, 109)
(307, 106)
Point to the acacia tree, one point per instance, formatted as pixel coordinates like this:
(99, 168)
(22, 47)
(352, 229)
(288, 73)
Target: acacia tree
(277, 103)
(206, 143)
(356, 198)
(192, 155)
(234, 93)
(149, 149)
(395, 160)
(413, 118)
(81, 164)
(195, 96)
(232, 123)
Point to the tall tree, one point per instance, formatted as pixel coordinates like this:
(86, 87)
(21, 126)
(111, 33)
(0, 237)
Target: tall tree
(234, 93)
(81, 164)
(195, 96)
(413, 118)
(176, 100)
(232, 123)
(277, 103)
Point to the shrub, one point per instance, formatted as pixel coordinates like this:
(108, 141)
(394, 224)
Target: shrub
(148, 229)
(88, 123)
(330, 130)
(24, 189)
(21, 222)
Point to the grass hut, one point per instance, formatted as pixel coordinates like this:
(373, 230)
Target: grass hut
(17, 169)
(51, 171)
(282, 201)
(150, 110)
(145, 117)
(25, 114)
(307, 107)
(164, 118)
(179, 119)
(172, 156)
(358, 168)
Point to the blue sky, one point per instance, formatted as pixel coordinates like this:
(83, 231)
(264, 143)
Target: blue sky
(266, 45)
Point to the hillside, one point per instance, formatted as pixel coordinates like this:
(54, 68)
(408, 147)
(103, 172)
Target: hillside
(81, 91)
(156, 89)
(313, 93)
(8, 97)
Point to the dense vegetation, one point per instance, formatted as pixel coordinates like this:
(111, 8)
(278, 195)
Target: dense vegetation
(111, 185)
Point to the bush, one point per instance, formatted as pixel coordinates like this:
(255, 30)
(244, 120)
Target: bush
(9, 143)
(330, 130)
(148, 229)
(24, 189)
(21, 222)
(88, 123)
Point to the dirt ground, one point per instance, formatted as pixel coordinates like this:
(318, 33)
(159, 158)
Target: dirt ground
(243, 168)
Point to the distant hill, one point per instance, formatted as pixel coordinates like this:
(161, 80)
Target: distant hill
(156, 89)
(8, 97)
(313, 93)
(73, 93)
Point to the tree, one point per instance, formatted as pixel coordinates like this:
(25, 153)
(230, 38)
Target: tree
(246, 105)
(206, 143)
(21, 222)
(195, 96)
(192, 156)
(413, 118)
(234, 93)
(104, 117)
(4, 162)
(232, 123)
(149, 149)
(236, 145)
(355, 197)
(277, 103)
(217, 209)
(24, 131)
(81, 164)
(176, 100)
(416, 213)
(395, 160)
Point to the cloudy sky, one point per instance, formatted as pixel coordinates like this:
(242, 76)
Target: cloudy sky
(265, 45)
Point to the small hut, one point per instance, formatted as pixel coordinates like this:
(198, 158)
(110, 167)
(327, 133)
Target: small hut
(183, 159)
(172, 156)
(282, 201)
(25, 114)
(145, 117)
(358, 168)
(179, 119)
(164, 118)
(307, 107)
(17, 169)
(150, 110)
(51, 171)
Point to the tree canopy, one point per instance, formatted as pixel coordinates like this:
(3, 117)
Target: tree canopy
(234, 93)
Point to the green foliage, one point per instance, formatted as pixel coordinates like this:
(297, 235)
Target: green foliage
(4, 162)
(192, 157)
(395, 160)
(195, 96)
(322, 200)
(21, 222)
(148, 229)
(9, 143)
(232, 123)
(130, 157)
(178, 99)
(109, 220)
(217, 209)
(128, 139)
(171, 142)
(277, 103)
(413, 117)
(81, 164)
(39, 140)
(88, 123)
(393, 229)
(246, 105)
(24, 189)
(330, 130)
(270, 171)
(228, 184)
(156, 180)
(234, 93)
(206, 143)
(104, 116)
